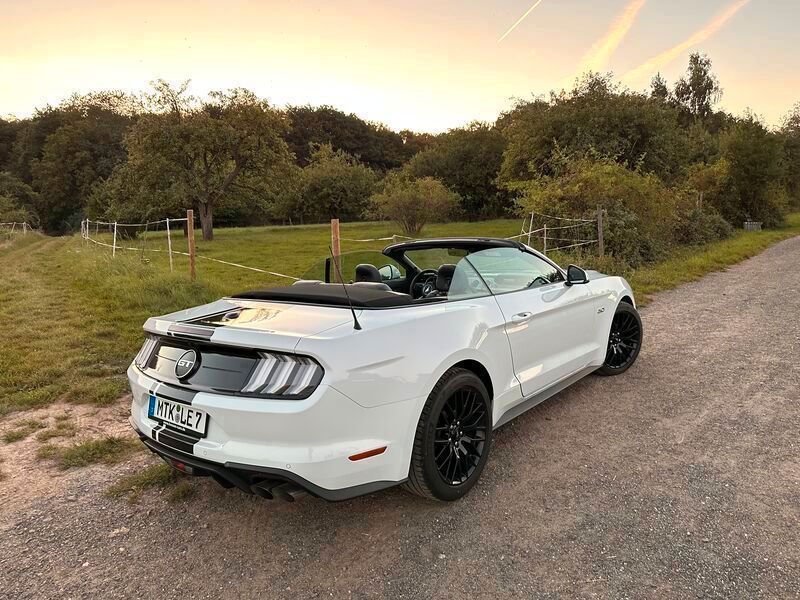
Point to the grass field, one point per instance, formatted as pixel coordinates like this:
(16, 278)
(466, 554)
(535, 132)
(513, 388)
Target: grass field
(72, 316)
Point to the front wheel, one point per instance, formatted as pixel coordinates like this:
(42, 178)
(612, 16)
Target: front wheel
(624, 340)
(453, 437)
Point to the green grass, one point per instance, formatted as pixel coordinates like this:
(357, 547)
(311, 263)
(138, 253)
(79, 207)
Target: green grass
(157, 476)
(108, 450)
(690, 264)
(22, 429)
(61, 428)
(73, 315)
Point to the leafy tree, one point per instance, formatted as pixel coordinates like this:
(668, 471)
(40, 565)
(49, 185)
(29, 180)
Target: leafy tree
(11, 212)
(596, 116)
(202, 155)
(699, 89)
(411, 203)
(63, 151)
(414, 142)
(708, 183)
(790, 132)
(756, 172)
(467, 161)
(373, 144)
(659, 89)
(30, 140)
(335, 185)
(17, 200)
(74, 158)
(284, 194)
(8, 133)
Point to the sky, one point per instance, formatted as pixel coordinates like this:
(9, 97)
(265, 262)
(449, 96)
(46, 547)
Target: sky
(425, 65)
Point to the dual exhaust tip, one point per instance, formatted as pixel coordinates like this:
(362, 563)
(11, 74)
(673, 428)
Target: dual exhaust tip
(282, 490)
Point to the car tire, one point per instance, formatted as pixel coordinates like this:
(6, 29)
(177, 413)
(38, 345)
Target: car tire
(624, 341)
(453, 437)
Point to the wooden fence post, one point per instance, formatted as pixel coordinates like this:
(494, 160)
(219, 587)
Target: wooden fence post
(114, 242)
(530, 230)
(544, 236)
(144, 239)
(169, 246)
(190, 231)
(601, 250)
(336, 248)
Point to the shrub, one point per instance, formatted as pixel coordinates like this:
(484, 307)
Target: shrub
(700, 226)
(411, 203)
(639, 207)
(627, 238)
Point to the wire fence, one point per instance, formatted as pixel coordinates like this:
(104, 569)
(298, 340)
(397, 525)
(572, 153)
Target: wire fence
(90, 227)
(569, 232)
(13, 227)
(554, 233)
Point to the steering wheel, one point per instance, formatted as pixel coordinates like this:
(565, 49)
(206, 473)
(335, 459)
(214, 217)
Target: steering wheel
(423, 283)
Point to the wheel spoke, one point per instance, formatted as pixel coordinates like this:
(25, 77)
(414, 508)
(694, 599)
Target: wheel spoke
(623, 341)
(460, 435)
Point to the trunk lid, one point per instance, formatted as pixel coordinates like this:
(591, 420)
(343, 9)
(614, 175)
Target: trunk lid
(252, 324)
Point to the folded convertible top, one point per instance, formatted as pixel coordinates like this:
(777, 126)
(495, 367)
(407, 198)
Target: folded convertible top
(330, 294)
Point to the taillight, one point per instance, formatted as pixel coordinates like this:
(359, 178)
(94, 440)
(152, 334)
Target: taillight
(145, 353)
(285, 376)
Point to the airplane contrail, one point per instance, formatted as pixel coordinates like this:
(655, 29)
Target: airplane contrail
(522, 18)
(698, 37)
(598, 55)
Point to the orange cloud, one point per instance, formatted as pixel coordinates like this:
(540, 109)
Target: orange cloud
(698, 37)
(598, 55)
(518, 21)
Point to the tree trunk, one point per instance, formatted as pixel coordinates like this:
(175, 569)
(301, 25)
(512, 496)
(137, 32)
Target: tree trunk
(205, 209)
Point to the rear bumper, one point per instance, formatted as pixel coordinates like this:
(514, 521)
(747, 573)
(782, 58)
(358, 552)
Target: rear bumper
(244, 477)
(307, 442)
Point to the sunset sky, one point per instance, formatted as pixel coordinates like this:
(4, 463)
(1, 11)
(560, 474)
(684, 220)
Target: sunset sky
(424, 65)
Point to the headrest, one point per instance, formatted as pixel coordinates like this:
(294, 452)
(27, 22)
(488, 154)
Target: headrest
(368, 273)
(444, 276)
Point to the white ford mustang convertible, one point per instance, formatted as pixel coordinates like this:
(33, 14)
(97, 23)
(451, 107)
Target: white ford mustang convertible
(397, 376)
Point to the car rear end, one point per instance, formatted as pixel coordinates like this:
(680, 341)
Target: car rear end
(226, 395)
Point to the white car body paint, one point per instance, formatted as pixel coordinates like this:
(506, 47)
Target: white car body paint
(376, 380)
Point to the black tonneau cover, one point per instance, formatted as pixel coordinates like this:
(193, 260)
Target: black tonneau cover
(330, 294)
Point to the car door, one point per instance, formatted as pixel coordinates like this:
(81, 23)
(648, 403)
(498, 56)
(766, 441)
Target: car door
(550, 325)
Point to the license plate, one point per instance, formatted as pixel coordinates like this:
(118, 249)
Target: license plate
(180, 415)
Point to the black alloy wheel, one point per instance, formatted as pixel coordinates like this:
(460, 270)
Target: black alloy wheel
(453, 437)
(624, 340)
(460, 436)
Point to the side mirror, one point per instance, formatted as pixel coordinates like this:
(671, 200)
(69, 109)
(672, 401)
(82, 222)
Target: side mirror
(389, 272)
(576, 275)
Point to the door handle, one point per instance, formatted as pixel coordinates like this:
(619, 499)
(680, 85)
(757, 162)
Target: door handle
(521, 317)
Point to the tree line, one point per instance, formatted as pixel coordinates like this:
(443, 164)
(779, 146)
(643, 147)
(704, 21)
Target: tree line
(668, 167)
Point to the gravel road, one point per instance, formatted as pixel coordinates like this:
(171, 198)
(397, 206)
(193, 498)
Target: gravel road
(678, 479)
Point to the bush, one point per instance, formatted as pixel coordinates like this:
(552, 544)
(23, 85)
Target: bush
(639, 207)
(411, 203)
(756, 170)
(336, 185)
(626, 238)
(700, 226)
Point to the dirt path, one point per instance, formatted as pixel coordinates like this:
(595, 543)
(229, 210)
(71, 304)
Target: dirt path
(679, 479)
